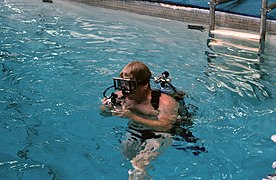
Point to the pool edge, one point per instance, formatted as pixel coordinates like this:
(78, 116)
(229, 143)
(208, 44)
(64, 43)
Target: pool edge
(185, 14)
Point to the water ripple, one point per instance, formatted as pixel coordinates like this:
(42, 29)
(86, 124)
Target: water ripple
(54, 65)
(237, 74)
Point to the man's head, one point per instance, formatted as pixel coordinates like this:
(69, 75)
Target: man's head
(139, 73)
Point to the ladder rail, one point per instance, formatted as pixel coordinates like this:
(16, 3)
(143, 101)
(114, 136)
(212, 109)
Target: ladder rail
(262, 33)
(263, 26)
(212, 6)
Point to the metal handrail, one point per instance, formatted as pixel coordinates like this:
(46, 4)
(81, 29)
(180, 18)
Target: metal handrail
(265, 9)
(213, 4)
(212, 15)
(263, 27)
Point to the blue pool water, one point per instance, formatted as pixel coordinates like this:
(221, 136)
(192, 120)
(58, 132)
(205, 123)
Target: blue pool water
(56, 60)
(243, 7)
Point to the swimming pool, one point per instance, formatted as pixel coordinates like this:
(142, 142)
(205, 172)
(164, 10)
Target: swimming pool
(56, 60)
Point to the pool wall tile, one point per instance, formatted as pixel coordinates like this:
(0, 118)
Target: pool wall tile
(186, 14)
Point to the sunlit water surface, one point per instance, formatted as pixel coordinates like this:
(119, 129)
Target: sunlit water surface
(56, 60)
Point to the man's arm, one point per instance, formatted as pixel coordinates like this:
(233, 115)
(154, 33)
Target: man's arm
(163, 124)
(168, 112)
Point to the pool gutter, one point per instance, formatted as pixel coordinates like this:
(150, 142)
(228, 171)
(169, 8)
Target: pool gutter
(185, 14)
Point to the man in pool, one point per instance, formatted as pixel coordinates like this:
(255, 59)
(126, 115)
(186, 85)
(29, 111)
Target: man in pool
(138, 104)
(152, 113)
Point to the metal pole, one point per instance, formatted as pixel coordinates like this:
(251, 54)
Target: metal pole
(263, 26)
(212, 16)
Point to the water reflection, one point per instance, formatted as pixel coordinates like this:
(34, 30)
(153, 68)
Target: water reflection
(235, 66)
(142, 146)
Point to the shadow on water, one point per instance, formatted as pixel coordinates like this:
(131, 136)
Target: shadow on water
(14, 101)
(20, 127)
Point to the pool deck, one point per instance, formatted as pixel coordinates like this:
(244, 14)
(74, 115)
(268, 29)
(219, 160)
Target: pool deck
(185, 14)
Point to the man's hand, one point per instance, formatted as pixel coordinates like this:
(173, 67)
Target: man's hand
(123, 113)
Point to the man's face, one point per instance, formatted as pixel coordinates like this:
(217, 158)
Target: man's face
(137, 94)
(139, 91)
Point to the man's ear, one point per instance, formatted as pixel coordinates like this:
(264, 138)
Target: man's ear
(146, 86)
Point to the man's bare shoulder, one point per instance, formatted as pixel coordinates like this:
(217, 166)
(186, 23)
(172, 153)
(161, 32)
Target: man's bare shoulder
(168, 108)
(167, 100)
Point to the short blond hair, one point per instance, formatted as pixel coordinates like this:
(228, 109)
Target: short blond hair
(138, 71)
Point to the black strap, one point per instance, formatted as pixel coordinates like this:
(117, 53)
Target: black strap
(155, 94)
